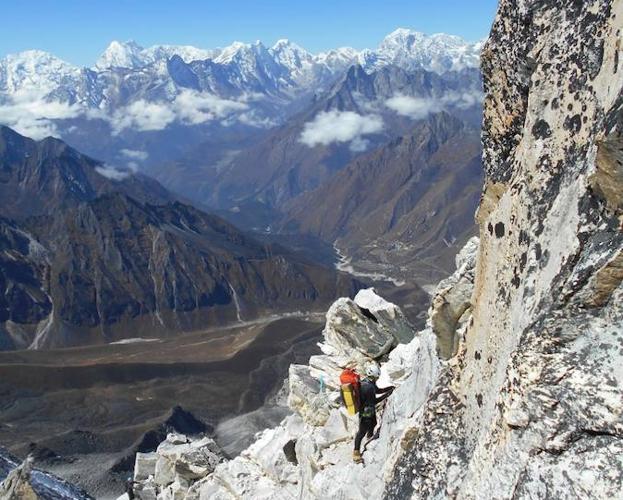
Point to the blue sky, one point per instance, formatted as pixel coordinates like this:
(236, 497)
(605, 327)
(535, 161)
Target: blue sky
(79, 30)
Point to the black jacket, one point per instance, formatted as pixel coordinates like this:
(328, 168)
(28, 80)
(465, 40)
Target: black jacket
(368, 399)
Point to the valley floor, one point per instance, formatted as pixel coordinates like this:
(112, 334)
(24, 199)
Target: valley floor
(87, 404)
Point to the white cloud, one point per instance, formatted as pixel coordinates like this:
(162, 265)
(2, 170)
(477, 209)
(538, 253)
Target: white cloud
(252, 119)
(134, 154)
(419, 107)
(143, 116)
(466, 100)
(189, 107)
(359, 145)
(29, 114)
(413, 107)
(193, 107)
(341, 126)
(113, 173)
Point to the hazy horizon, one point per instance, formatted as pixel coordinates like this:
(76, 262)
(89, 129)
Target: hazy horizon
(79, 32)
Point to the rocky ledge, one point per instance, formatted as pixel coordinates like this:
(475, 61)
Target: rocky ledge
(309, 455)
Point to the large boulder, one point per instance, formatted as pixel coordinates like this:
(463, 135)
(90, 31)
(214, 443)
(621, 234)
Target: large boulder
(178, 462)
(144, 466)
(387, 314)
(180, 458)
(353, 333)
(363, 329)
(357, 332)
(452, 300)
(306, 397)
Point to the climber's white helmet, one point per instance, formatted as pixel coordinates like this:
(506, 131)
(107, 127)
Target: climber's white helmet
(373, 371)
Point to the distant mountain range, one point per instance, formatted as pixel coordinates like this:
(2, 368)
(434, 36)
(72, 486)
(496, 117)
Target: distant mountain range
(250, 85)
(162, 71)
(362, 111)
(87, 259)
(274, 139)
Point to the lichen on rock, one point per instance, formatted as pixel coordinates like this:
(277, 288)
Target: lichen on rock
(536, 389)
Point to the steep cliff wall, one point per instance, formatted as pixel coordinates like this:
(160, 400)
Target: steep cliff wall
(537, 391)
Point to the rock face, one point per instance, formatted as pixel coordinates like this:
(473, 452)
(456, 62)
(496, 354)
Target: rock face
(24, 303)
(451, 303)
(537, 387)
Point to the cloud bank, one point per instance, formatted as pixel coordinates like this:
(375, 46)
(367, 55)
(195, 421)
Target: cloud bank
(189, 107)
(113, 173)
(29, 114)
(341, 126)
(419, 107)
(134, 154)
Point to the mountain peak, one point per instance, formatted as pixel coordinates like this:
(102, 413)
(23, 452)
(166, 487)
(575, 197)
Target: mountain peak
(120, 55)
(405, 32)
(240, 51)
(33, 59)
(282, 42)
(131, 55)
(286, 44)
(290, 54)
(229, 53)
(438, 52)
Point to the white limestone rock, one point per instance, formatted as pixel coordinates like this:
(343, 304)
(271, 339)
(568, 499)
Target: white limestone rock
(144, 466)
(186, 460)
(355, 333)
(387, 314)
(325, 370)
(268, 453)
(169, 472)
(305, 397)
(452, 299)
(146, 489)
(532, 405)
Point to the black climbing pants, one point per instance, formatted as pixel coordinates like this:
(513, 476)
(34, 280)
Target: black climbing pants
(366, 426)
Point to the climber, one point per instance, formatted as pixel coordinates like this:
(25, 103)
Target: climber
(367, 402)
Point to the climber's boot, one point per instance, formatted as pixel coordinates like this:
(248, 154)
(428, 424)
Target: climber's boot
(357, 458)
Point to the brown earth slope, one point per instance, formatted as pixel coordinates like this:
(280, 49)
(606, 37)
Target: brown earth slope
(409, 204)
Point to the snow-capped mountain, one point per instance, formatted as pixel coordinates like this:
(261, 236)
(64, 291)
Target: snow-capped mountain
(413, 50)
(285, 69)
(35, 70)
(244, 87)
(131, 55)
